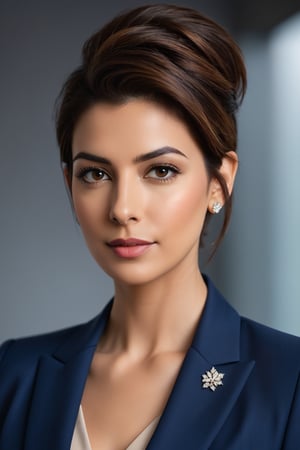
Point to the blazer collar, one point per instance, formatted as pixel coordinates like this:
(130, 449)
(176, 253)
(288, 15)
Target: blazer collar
(84, 336)
(193, 415)
(59, 385)
(217, 337)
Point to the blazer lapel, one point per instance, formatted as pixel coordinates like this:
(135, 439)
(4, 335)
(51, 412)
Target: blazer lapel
(59, 385)
(193, 415)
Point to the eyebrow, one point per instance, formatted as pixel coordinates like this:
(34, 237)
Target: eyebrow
(141, 158)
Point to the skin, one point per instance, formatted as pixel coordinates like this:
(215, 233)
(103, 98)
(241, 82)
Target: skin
(160, 294)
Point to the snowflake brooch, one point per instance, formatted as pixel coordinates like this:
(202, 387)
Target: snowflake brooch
(212, 379)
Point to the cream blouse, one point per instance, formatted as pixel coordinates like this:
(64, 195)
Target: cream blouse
(81, 441)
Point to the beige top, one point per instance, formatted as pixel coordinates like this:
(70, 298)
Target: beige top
(81, 441)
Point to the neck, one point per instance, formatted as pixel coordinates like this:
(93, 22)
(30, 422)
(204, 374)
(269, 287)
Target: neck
(160, 316)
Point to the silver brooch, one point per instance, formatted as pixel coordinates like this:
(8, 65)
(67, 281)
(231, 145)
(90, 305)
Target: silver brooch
(212, 379)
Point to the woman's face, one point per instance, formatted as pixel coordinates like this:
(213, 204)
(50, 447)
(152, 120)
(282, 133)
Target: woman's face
(140, 191)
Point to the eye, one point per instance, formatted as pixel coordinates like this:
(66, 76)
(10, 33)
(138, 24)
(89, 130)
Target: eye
(162, 172)
(92, 175)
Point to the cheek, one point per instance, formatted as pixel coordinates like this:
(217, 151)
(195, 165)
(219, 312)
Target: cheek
(185, 209)
(88, 209)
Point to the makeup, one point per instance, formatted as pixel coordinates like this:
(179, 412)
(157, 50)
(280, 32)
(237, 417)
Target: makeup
(129, 248)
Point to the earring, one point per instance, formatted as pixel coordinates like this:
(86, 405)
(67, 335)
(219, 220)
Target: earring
(216, 207)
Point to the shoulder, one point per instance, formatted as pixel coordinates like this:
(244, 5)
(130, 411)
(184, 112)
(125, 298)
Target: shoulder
(251, 340)
(22, 352)
(276, 357)
(262, 342)
(275, 380)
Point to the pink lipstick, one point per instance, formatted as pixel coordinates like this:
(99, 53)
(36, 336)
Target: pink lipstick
(129, 248)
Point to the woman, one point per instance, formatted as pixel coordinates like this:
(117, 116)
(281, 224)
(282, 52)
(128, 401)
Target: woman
(147, 132)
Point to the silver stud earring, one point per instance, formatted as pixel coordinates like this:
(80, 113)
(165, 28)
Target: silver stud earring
(216, 207)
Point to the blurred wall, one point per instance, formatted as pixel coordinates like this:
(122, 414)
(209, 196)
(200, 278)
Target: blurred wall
(258, 265)
(48, 279)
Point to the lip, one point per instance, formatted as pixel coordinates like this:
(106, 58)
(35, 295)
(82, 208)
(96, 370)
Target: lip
(130, 242)
(130, 248)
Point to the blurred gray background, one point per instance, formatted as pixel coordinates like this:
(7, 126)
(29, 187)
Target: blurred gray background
(48, 279)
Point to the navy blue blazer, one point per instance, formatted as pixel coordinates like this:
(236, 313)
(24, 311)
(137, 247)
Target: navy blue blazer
(257, 407)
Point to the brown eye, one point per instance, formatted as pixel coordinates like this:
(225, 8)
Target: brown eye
(162, 173)
(92, 175)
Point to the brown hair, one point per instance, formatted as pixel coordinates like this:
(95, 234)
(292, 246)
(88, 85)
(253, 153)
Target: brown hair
(174, 56)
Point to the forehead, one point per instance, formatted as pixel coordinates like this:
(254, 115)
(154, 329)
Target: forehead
(135, 126)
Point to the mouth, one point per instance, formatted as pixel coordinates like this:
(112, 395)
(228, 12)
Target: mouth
(131, 242)
(130, 248)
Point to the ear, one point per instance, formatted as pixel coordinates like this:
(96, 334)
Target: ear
(68, 184)
(68, 179)
(228, 171)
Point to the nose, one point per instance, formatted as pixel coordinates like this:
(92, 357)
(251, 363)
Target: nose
(125, 201)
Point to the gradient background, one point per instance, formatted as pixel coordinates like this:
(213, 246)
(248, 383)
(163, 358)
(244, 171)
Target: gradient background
(48, 279)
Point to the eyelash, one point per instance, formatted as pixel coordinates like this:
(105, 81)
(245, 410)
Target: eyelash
(174, 170)
(83, 172)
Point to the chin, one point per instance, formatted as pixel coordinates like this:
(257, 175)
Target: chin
(131, 273)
